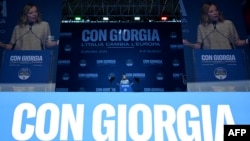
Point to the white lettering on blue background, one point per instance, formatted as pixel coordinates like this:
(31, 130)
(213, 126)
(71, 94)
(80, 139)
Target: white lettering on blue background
(15, 58)
(163, 127)
(32, 58)
(109, 122)
(29, 121)
(218, 58)
(95, 35)
(27, 58)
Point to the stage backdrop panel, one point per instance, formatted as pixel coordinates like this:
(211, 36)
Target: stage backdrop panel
(93, 56)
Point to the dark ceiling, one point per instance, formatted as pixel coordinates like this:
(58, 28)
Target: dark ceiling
(120, 9)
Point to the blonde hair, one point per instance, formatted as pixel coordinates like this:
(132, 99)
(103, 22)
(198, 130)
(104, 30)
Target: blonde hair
(204, 19)
(23, 15)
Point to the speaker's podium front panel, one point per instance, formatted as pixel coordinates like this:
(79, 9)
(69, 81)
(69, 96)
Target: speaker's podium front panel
(26, 71)
(220, 70)
(125, 88)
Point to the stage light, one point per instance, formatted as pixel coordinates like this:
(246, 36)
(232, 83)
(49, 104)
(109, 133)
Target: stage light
(78, 18)
(137, 18)
(164, 18)
(105, 18)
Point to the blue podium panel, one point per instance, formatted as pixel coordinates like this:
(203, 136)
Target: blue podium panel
(125, 88)
(220, 70)
(220, 65)
(26, 67)
(27, 71)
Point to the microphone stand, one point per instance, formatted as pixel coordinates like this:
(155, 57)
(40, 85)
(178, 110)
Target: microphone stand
(111, 79)
(14, 45)
(231, 43)
(206, 37)
(214, 24)
(31, 24)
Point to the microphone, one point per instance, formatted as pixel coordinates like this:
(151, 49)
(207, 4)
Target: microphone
(14, 45)
(214, 24)
(31, 24)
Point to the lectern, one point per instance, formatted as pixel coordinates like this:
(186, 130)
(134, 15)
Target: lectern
(27, 71)
(220, 70)
(125, 88)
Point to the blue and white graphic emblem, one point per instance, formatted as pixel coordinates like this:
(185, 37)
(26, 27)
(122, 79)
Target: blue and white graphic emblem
(24, 73)
(220, 73)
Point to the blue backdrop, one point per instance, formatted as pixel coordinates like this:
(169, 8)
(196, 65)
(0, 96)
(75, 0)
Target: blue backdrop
(93, 56)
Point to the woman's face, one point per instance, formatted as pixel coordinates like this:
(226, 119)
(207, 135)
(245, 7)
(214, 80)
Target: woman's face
(213, 13)
(32, 14)
(123, 76)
